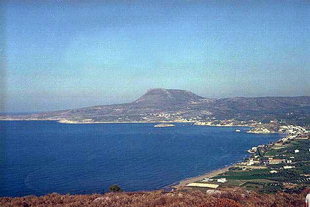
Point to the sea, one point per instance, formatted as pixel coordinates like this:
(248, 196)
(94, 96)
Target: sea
(41, 157)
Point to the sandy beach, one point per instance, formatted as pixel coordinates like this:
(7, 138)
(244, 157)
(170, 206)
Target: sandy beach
(213, 173)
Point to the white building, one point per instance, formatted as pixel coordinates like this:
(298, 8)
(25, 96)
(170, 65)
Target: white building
(222, 180)
(288, 167)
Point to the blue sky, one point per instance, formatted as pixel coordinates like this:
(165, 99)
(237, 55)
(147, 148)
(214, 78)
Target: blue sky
(69, 54)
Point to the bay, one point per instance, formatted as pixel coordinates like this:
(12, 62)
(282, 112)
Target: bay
(40, 157)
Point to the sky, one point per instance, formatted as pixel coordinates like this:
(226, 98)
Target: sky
(69, 54)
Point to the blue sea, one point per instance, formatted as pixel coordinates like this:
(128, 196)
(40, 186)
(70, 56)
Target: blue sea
(40, 157)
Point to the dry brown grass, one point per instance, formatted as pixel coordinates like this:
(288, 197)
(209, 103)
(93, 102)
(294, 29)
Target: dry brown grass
(235, 198)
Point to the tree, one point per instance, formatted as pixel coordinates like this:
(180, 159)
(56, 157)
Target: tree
(115, 188)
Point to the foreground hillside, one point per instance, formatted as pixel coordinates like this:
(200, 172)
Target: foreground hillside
(161, 199)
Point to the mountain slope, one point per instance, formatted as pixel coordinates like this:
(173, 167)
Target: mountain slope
(232, 198)
(180, 105)
(163, 97)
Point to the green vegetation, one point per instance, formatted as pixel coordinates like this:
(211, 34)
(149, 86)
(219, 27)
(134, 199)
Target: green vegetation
(288, 151)
(245, 175)
(115, 188)
(291, 176)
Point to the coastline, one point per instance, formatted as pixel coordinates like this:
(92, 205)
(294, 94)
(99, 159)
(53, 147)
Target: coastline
(213, 173)
(289, 134)
(181, 184)
(99, 122)
(178, 184)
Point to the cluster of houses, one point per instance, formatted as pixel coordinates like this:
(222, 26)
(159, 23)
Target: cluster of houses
(292, 132)
(258, 158)
(227, 122)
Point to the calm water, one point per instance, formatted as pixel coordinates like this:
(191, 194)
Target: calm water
(42, 157)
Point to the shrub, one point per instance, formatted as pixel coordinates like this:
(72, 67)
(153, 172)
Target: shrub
(115, 188)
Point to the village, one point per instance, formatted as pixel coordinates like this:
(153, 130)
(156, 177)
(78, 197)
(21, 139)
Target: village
(282, 165)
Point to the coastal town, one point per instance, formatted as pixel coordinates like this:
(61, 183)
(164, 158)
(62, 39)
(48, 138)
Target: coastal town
(283, 165)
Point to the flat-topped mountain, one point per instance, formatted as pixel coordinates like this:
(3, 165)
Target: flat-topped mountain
(166, 97)
(180, 105)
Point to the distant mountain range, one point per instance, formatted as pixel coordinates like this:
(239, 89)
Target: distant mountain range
(180, 105)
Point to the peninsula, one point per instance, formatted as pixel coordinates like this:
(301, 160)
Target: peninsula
(172, 105)
(282, 166)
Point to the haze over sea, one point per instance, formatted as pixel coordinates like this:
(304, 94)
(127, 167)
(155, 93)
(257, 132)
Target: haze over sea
(41, 157)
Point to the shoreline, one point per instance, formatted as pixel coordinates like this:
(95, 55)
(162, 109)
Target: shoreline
(134, 122)
(99, 122)
(213, 173)
(178, 184)
(181, 184)
(129, 122)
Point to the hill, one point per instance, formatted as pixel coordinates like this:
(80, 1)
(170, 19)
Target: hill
(165, 98)
(233, 198)
(179, 105)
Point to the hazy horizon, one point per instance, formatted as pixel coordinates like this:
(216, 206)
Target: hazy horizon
(64, 54)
